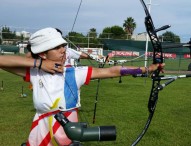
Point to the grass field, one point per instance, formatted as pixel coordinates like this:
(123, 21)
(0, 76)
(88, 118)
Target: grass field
(171, 64)
(121, 104)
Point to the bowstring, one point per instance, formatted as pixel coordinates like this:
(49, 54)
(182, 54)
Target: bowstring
(75, 98)
(76, 15)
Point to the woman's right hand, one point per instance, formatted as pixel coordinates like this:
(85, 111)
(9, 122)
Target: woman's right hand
(52, 66)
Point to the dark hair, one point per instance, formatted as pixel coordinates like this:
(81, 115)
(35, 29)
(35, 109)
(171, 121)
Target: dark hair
(59, 30)
(35, 56)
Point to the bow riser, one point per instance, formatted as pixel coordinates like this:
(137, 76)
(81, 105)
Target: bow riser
(157, 58)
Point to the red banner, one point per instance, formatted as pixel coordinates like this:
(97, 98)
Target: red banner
(123, 53)
(165, 55)
(186, 56)
(169, 55)
(149, 54)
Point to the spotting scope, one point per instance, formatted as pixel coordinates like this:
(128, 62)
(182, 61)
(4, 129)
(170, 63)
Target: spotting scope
(79, 131)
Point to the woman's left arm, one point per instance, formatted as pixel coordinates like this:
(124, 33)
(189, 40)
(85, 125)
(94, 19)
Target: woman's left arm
(117, 71)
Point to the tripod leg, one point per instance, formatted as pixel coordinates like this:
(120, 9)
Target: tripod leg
(23, 144)
(76, 143)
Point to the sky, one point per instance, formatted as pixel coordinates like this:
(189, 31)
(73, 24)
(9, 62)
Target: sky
(31, 15)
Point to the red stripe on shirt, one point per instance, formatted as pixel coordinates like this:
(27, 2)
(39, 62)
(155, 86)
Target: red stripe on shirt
(46, 140)
(89, 74)
(56, 125)
(35, 123)
(27, 76)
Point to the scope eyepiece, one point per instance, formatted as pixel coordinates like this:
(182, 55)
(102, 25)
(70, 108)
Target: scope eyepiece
(61, 118)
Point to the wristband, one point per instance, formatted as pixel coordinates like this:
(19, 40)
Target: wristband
(39, 67)
(128, 71)
(34, 63)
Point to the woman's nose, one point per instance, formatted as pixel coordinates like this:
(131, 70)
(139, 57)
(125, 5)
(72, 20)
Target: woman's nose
(63, 51)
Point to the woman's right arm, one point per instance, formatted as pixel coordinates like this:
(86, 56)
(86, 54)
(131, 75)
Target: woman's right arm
(18, 65)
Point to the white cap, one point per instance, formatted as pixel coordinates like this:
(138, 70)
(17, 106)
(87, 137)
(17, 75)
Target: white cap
(45, 39)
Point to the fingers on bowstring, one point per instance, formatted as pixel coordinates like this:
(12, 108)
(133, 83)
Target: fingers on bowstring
(58, 67)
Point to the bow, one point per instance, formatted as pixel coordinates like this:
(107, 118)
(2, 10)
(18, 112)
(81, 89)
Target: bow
(157, 58)
(156, 78)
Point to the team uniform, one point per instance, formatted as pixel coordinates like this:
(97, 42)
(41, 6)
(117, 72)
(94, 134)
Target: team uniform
(55, 93)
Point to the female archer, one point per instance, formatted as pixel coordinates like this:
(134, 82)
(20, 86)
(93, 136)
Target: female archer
(56, 87)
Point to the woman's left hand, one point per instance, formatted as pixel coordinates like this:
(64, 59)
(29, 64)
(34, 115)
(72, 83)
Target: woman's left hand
(154, 67)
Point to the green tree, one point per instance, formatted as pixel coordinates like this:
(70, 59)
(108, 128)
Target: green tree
(117, 32)
(77, 38)
(114, 32)
(7, 33)
(92, 33)
(169, 36)
(106, 33)
(93, 41)
(129, 26)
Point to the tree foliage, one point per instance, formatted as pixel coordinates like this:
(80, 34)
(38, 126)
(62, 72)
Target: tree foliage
(129, 26)
(114, 32)
(169, 36)
(81, 40)
(7, 33)
(93, 41)
(76, 38)
(92, 33)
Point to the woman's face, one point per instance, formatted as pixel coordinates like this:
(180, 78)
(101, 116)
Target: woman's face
(57, 54)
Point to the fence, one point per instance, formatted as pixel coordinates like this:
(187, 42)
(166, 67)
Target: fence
(11, 49)
(178, 63)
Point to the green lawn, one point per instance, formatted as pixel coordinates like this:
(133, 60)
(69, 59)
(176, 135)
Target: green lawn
(171, 64)
(121, 104)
